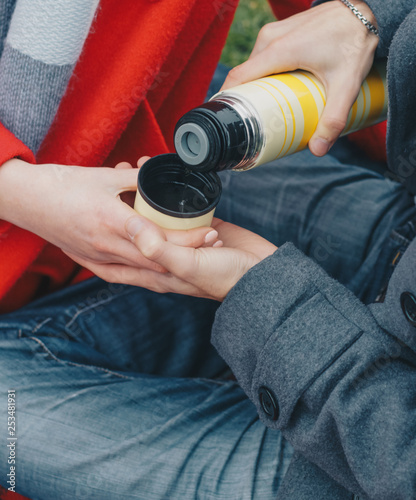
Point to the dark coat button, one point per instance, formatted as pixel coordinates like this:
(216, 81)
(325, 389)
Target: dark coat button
(268, 402)
(408, 303)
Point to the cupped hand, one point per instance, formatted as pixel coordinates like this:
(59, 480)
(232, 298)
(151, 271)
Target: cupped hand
(208, 272)
(80, 210)
(330, 42)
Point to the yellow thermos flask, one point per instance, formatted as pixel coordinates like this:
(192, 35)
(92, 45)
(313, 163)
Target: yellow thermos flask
(260, 121)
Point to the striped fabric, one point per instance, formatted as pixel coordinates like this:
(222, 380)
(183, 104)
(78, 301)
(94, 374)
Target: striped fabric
(41, 40)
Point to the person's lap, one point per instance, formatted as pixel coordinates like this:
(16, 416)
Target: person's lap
(119, 393)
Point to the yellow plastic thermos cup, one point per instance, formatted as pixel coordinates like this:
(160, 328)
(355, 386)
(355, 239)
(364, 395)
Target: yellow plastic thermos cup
(174, 197)
(266, 119)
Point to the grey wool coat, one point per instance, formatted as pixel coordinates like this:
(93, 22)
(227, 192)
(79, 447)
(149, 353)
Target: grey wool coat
(336, 377)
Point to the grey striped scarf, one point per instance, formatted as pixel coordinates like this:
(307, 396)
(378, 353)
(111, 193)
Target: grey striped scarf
(40, 42)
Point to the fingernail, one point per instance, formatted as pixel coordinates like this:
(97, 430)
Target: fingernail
(133, 226)
(320, 146)
(211, 236)
(218, 244)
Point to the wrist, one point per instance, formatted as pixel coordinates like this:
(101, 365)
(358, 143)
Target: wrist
(363, 15)
(7, 186)
(16, 183)
(359, 31)
(366, 12)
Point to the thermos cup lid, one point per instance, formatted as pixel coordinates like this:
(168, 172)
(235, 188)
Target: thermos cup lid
(211, 137)
(192, 142)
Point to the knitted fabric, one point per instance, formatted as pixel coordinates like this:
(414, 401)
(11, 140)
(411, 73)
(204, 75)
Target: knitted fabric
(42, 41)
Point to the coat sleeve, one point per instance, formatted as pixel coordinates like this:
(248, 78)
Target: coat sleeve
(389, 14)
(318, 366)
(12, 147)
(305, 481)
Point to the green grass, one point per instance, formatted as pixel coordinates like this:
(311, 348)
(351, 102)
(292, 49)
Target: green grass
(251, 15)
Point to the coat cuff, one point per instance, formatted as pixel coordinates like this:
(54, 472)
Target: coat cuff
(389, 14)
(283, 324)
(12, 147)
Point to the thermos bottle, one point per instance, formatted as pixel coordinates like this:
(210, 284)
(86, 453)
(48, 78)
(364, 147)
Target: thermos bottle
(269, 118)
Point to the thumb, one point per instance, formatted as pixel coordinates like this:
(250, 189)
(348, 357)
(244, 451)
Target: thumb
(123, 164)
(259, 66)
(125, 179)
(141, 161)
(334, 118)
(151, 241)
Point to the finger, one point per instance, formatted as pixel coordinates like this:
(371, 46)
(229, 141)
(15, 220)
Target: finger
(153, 244)
(278, 29)
(268, 33)
(123, 253)
(198, 237)
(141, 161)
(216, 222)
(115, 215)
(263, 64)
(124, 179)
(195, 238)
(123, 164)
(333, 121)
(160, 283)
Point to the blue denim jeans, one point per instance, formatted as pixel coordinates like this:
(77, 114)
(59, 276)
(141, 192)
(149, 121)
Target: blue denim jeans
(119, 393)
